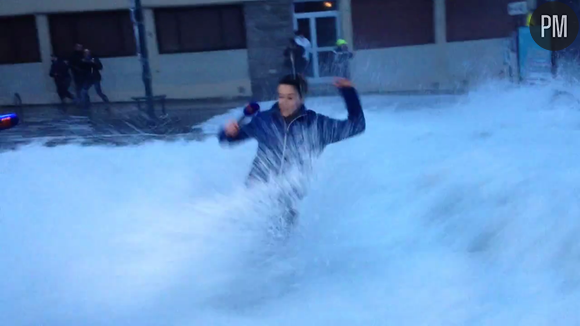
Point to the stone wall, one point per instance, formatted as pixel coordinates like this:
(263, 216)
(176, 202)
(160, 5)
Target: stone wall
(269, 26)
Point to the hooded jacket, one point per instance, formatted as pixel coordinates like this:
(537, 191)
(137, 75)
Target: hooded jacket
(59, 70)
(287, 143)
(91, 68)
(75, 66)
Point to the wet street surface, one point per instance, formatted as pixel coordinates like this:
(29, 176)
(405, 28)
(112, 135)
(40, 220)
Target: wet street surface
(121, 126)
(90, 132)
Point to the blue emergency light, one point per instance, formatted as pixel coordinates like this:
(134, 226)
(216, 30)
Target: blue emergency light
(8, 121)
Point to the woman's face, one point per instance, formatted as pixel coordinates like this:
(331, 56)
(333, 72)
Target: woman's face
(288, 100)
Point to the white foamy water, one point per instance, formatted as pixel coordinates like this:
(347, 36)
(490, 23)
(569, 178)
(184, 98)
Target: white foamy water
(446, 211)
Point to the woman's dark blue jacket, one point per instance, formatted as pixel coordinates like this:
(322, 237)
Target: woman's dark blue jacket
(285, 144)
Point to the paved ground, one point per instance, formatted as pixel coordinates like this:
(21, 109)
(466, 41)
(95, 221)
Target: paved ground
(85, 132)
(120, 125)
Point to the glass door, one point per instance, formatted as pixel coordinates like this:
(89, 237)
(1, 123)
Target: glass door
(322, 29)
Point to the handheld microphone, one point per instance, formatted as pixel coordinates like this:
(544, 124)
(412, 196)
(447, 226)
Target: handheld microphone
(249, 110)
(8, 121)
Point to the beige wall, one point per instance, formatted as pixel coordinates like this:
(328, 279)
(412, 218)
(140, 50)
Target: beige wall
(203, 75)
(26, 79)
(428, 67)
(226, 73)
(397, 69)
(438, 66)
(179, 76)
(18, 7)
(184, 76)
(475, 61)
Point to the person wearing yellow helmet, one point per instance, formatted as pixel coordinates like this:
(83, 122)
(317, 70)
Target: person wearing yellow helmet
(529, 20)
(342, 56)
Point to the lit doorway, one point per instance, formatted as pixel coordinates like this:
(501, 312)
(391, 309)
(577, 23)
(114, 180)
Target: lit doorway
(319, 22)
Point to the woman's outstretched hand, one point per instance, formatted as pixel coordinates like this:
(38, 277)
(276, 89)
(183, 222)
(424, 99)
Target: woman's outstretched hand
(342, 83)
(232, 129)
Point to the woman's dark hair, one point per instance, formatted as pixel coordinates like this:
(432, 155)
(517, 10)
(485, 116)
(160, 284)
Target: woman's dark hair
(296, 81)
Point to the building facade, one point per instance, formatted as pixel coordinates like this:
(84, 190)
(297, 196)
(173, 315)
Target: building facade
(224, 48)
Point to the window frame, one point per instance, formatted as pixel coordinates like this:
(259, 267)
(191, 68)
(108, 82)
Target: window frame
(464, 18)
(130, 44)
(14, 39)
(183, 49)
(369, 15)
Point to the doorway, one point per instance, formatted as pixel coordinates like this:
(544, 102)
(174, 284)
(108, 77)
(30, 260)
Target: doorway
(319, 22)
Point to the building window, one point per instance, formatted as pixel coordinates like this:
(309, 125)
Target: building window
(469, 20)
(391, 23)
(200, 29)
(105, 33)
(19, 40)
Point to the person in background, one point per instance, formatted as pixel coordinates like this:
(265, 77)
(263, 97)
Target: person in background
(305, 43)
(529, 20)
(294, 55)
(342, 56)
(75, 63)
(92, 67)
(59, 71)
